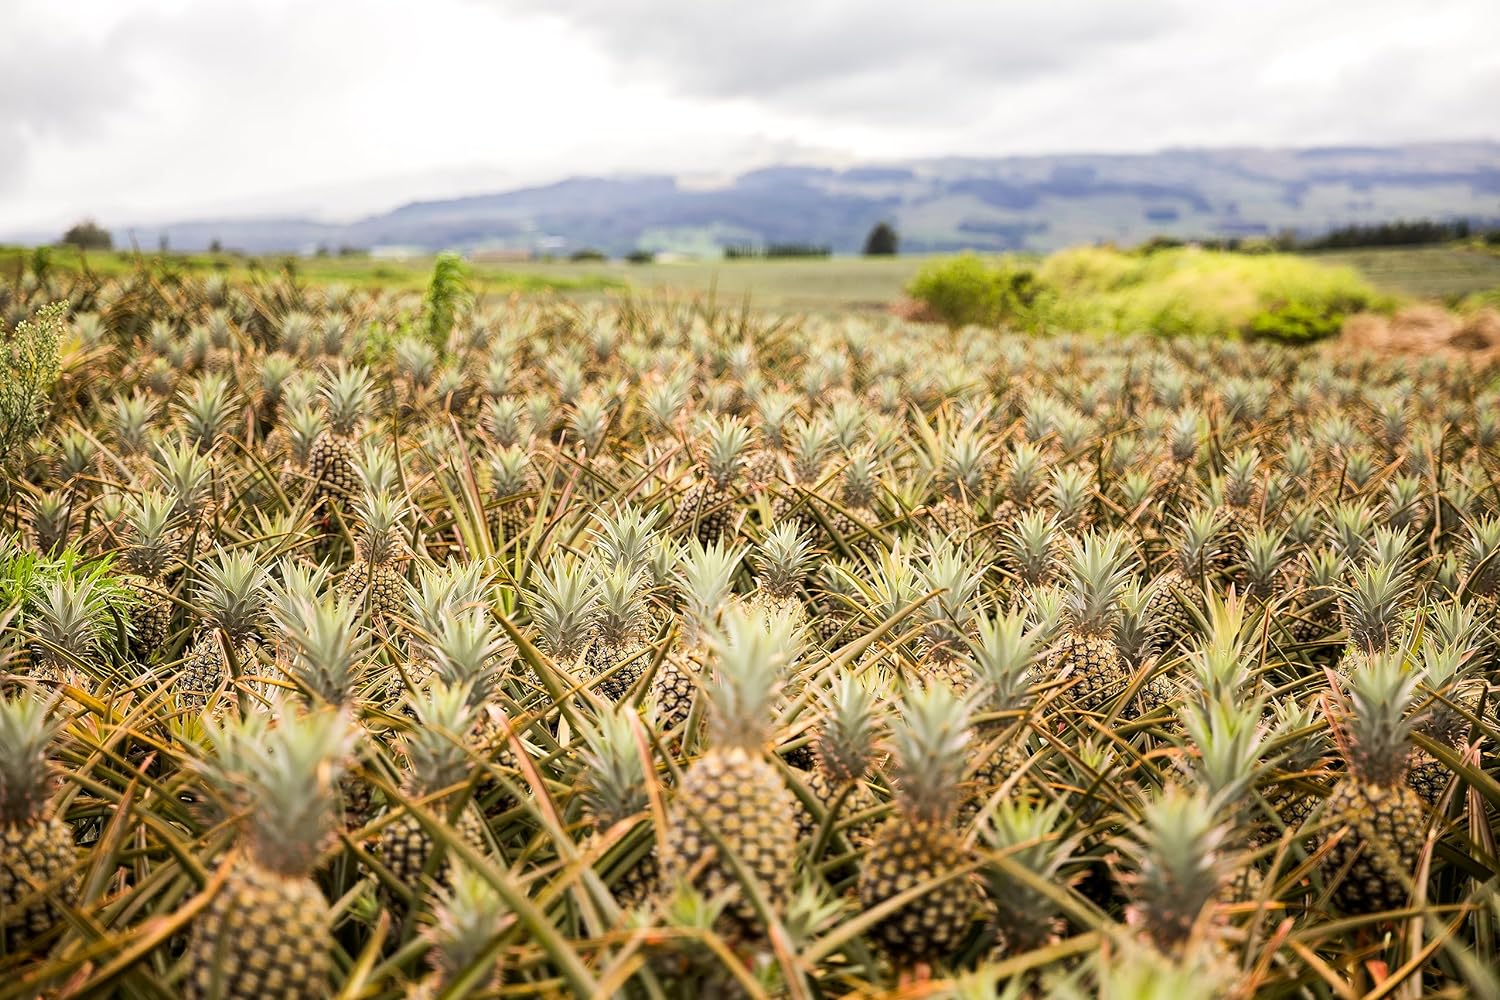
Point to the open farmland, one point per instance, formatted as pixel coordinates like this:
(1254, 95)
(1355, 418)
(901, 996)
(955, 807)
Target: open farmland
(406, 642)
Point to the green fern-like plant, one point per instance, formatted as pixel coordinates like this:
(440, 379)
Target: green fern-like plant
(29, 367)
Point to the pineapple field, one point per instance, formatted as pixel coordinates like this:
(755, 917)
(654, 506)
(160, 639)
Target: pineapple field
(368, 643)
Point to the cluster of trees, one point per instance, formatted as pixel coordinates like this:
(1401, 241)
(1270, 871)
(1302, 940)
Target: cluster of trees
(1402, 232)
(742, 251)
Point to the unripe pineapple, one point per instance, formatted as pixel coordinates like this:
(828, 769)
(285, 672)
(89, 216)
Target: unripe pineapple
(294, 438)
(612, 789)
(917, 845)
(1241, 499)
(1032, 548)
(147, 554)
(1028, 833)
(265, 934)
(437, 750)
(69, 620)
(374, 578)
(706, 509)
(564, 606)
(961, 479)
(1020, 484)
(1178, 593)
(705, 576)
(1097, 571)
(1374, 607)
(1000, 657)
(854, 518)
(1381, 819)
(36, 846)
(843, 752)
(733, 796)
(948, 617)
(232, 594)
(1175, 867)
(514, 484)
(466, 917)
(811, 442)
(617, 649)
(1481, 555)
(1456, 698)
(781, 562)
(331, 462)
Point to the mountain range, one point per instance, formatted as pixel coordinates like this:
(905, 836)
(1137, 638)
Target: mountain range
(1008, 203)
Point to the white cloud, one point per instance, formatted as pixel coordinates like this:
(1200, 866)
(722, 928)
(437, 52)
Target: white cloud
(154, 109)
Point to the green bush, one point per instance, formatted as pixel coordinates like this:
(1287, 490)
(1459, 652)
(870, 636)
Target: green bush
(29, 366)
(1296, 323)
(969, 289)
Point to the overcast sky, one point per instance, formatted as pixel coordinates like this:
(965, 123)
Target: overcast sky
(149, 110)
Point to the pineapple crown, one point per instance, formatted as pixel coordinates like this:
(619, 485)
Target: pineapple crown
(752, 655)
(131, 418)
(233, 591)
(1375, 723)
(929, 744)
(1455, 696)
(811, 441)
(621, 614)
(1046, 609)
(782, 560)
(379, 517)
(1241, 479)
(704, 575)
(503, 419)
(294, 584)
(613, 782)
(1372, 604)
(1349, 526)
(466, 916)
(330, 646)
(1482, 557)
(1098, 567)
(857, 483)
(963, 461)
(1197, 542)
(204, 411)
(1228, 736)
(1183, 434)
(69, 615)
(1071, 492)
(467, 649)
(303, 424)
(1025, 473)
(1030, 834)
(588, 422)
(1175, 865)
(510, 471)
(285, 776)
(845, 745)
(1001, 656)
(26, 734)
(564, 607)
(377, 470)
(1222, 661)
(1137, 630)
(1031, 547)
(625, 536)
(442, 590)
(435, 748)
(186, 475)
(346, 393)
(954, 576)
(727, 439)
(1265, 554)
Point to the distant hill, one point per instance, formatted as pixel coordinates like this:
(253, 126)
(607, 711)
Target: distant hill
(1010, 203)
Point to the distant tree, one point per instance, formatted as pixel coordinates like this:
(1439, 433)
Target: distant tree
(214, 246)
(162, 244)
(587, 254)
(882, 241)
(640, 256)
(88, 235)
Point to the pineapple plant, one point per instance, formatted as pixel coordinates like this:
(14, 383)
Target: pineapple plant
(1000, 658)
(612, 790)
(265, 932)
(1241, 497)
(948, 617)
(1031, 834)
(732, 801)
(1032, 549)
(781, 562)
(346, 396)
(38, 856)
(466, 917)
(705, 575)
(1085, 651)
(1378, 819)
(1374, 606)
(961, 479)
(374, 579)
(147, 555)
(844, 751)
(514, 484)
(617, 649)
(917, 846)
(1021, 484)
(706, 510)
(1176, 868)
(1177, 594)
(232, 593)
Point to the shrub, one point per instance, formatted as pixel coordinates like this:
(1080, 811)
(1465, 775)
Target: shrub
(28, 369)
(587, 254)
(968, 289)
(640, 257)
(447, 293)
(1296, 323)
(88, 235)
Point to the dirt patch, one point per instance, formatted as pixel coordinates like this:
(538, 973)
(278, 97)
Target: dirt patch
(1424, 331)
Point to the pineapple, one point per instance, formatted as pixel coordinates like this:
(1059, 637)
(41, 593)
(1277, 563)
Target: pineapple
(68, 623)
(1382, 820)
(1241, 499)
(1314, 615)
(1097, 571)
(232, 592)
(1001, 655)
(1374, 607)
(616, 651)
(1175, 867)
(564, 606)
(705, 576)
(1177, 595)
(146, 555)
(961, 477)
(331, 461)
(36, 863)
(328, 650)
(854, 518)
(916, 846)
(437, 750)
(1032, 548)
(1455, 699)
(1028, 833)
(612, 789)
(1020, 484)
(514, 485)
(374, 579)
(732, 798)
(706, 509)
(948, 617)
(265, 934)
(466, 918)
(843, 752)
(781, 563)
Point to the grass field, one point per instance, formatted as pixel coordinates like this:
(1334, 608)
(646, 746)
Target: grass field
(801, 285)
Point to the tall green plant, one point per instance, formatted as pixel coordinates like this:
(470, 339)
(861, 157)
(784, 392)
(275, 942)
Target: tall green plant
(29, 367)
(448, 293)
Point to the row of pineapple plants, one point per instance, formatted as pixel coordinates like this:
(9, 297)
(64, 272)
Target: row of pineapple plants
(657, 650)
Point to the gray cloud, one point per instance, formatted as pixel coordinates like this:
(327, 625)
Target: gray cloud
(875, 60)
